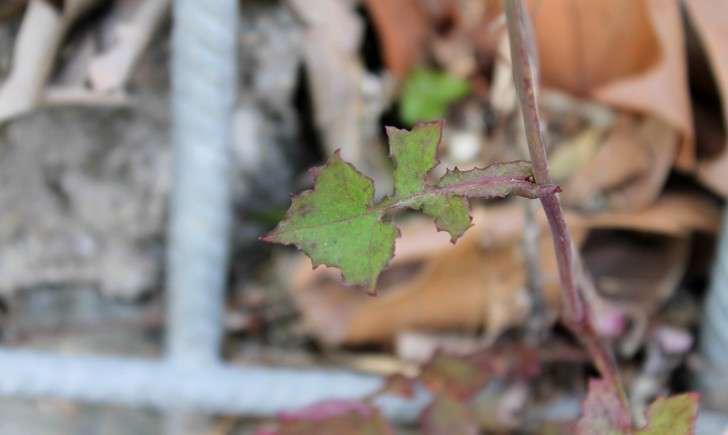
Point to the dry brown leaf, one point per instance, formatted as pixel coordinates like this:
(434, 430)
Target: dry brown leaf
(709, 18)
(477, 283)
(672, 214)
(402, 27)
(636, 272)
(133, 29)
(627, 53)
(36, 46)
(629, 169)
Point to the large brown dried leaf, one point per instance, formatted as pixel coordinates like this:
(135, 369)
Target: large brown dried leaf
(403, 27)
(628, 170)
(478, 282)
(708, 17)
(628, 53)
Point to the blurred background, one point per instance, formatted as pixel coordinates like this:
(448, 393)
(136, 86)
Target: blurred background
(634, 96)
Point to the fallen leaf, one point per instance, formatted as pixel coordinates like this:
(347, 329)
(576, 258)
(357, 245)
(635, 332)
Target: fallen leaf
(347, 101)
(574, 154)
(132, 31)
(707, 19)
(458, 376)
(628, 170)
(603, 413)
(402, 27)
(636, 272)
(447, 416)
(36, 46)
(331, 417)
(675, 214)
(578, 42)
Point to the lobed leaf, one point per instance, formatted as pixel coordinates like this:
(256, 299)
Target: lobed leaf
(415, 154)
(336, 224)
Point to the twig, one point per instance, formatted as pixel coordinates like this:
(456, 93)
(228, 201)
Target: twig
(35, 51)
(537, 325)
(111, 70)
(525, 77)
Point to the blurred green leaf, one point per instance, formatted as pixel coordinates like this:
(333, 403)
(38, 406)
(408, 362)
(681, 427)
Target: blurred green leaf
(427, 93)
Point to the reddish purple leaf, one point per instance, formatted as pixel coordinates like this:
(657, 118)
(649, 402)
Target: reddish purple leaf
(331, 417)
(603, 413)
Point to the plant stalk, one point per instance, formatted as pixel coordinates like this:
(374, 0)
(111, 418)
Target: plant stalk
(575, 315)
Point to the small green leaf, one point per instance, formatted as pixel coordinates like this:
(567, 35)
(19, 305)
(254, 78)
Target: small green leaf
(451, 213)
(672, 415)
(427, 93)
(415, 154)
(335, 224)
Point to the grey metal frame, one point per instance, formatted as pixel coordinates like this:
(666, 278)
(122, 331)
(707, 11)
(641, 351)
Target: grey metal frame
(191, 376)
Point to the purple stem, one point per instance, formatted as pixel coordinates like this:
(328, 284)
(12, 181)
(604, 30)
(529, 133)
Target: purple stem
(525, 77)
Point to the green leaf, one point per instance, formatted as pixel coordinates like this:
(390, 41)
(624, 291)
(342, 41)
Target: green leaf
(427, 93)
(336, 225)
(672, 415)
(415, 155)
(604, 413)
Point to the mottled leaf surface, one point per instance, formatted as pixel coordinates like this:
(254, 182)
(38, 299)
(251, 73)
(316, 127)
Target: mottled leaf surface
(672, 415)
(415, 155)
(335, 224)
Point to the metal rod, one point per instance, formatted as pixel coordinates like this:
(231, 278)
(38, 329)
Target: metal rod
(712, 379)
(204, 85)
(222, 389)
